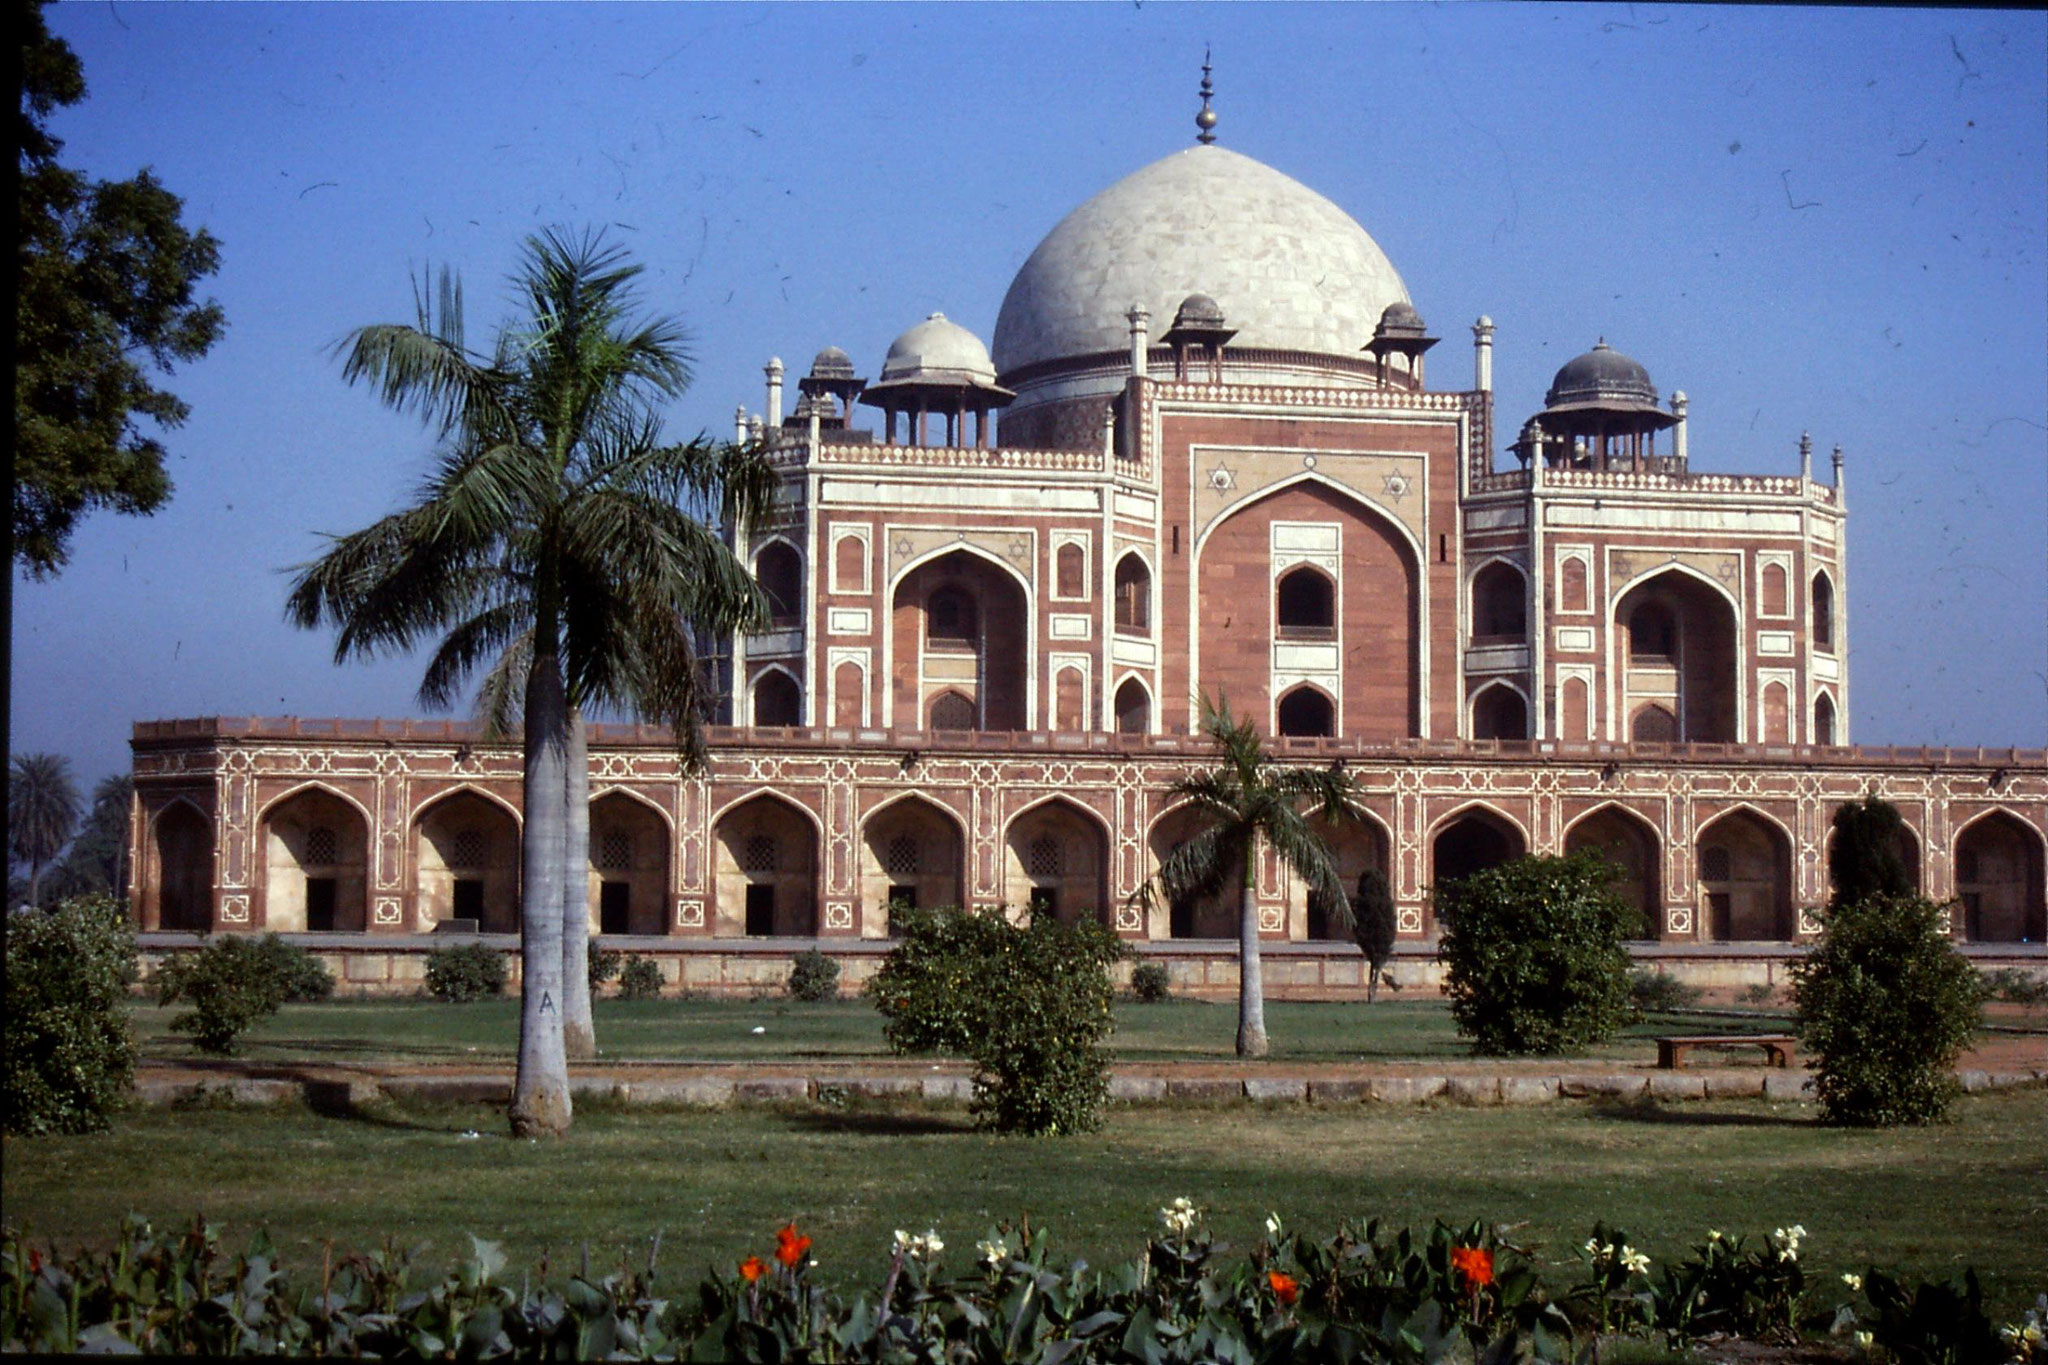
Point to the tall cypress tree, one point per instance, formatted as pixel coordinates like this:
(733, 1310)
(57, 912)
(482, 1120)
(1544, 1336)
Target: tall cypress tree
(1864, 860)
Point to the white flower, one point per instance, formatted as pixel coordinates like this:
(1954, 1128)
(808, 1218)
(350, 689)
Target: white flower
(1786, 1240)
(1180, 1216)
(1853, 1280)
(932, 1243)
(1593, 1247)
(993, 1253)
(1864, 1340)
(1713, 1234)
(1634, 1261)
(1273, 1225)
(920, 1248)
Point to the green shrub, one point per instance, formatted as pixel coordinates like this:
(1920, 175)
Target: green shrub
(639, 978)
(1534, 956)
(469, 971)
(302, 975)
(2015, 986)
(232, 984)
(1150, 983)
(1759, 993)
(1887, 1004)
(1029, 1004)
(70, 1056)
(813, 977)
(603, 965)
(1374, 925)
(1654, 992)
(1863, 860)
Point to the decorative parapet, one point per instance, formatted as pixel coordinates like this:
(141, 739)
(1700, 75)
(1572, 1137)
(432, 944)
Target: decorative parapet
(1317, 396)
(1625, 481)
(996, 458)
(1042, 743)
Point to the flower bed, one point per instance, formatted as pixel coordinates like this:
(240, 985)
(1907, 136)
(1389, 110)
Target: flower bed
(1368, 1293)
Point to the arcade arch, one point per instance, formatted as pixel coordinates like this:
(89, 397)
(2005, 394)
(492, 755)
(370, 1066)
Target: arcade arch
(1474, 840)
(959, 624)
(1743, 866)
(1056, 861)
(1680, 646)
(1998, 880)
(911, 853)
(629, 857)
(181, 887)
(315, 864)
(1354, 845)
(764, 877)
(1632, 845)
(1210, 915)
(466, 863)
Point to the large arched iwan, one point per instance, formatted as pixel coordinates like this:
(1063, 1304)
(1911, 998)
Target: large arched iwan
(1376, 611)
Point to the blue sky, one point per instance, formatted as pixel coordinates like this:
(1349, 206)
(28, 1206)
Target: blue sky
(1832, 220)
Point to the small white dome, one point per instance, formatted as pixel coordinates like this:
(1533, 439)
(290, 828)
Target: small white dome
(1289, 269)
(938, 350)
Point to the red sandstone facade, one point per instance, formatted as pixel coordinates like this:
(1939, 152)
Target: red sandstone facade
(985, 661)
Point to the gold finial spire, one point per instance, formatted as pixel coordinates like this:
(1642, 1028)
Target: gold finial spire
(1205, 121)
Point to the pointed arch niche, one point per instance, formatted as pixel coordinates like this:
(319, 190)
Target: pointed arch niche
(911, 852)
(765, 882)
(1355, 845)
(178, 883)
(629, 856)
(1998, 880)
(1056, 860)
(466, 863)
(1632, 845)
(959, 625)
(1678, 653)
(1473, 841)
(1213, 915)
(316, 849)
(1743, 865)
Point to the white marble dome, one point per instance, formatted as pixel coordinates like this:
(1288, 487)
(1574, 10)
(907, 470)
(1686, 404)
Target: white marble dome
(1289, 268)
(938, 349)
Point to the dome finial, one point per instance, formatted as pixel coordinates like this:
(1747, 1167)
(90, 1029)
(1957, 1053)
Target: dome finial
(1205, 121)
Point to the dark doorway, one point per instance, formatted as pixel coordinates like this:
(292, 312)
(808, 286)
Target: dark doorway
(1045, 900)
(1471, 844)
(1180, 918)
(467, 900)
(615, 907)
(320, 899)
(760, 910)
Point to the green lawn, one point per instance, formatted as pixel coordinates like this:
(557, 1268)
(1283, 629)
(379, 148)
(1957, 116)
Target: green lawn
(716, 1183)
(850, 1030)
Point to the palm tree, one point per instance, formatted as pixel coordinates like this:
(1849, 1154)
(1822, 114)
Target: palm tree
(554, 548)
(42, 810)
(1249, 801)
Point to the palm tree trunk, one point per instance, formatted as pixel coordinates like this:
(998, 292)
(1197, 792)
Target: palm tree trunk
(540, 1094)
(1251, 993)
(579, 1033)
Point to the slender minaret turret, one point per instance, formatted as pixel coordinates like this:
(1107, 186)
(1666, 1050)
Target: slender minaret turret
(1806, 456)
(739, 425)
(1678, 406)
(1140, 318)
(1838, 477)
(1482, 354)
(773, 370)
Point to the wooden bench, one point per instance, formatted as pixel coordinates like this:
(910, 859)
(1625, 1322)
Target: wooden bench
(1782, 1047)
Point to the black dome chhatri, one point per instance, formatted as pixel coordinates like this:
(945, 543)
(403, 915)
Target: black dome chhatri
(1602, 377)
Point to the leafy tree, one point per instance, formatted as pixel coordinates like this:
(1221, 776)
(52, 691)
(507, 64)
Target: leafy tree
(1887, 1004)
(1249, 801)
(68, 1052)
(554, 548)
(1375, 927)
(232, 984)
(1864, 859)
(97, 861)
(104, 293)
(1533, 954)
(42, 810)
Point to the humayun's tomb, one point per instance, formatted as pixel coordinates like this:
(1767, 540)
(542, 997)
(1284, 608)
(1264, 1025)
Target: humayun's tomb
(1220, 469)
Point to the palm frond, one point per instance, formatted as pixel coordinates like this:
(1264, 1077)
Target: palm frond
(501, 695)
(476, 642)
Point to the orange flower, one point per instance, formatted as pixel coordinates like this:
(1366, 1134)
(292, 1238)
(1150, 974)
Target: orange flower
(790, 1249)
(1475, 1264)
(753, 1268)
(1285, 1288)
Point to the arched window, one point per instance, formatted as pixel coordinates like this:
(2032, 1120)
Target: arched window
(1070, 700)
(1305, 604)
(777, 700)
(953, 711)
(1654, 725)
(951, 618)
(1652, 633)
(1070, 575)
(1823, 612)
(780, 574)
(1773, 603)
(850, 563)
(1133, 708)
(1498, 609)
(1824, 720)
(1777, 714)
(1133, 594)
(1499, 712)
(1305, 711)
(1571, 586)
